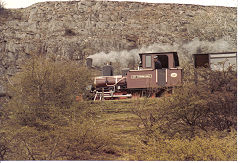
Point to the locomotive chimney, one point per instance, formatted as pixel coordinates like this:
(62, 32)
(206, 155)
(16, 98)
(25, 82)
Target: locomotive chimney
(107, 70)
(89, 62)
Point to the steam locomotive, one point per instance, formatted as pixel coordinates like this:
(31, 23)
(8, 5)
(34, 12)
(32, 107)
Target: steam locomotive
(147, 80)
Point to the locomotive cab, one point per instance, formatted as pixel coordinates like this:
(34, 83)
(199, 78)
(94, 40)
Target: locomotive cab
(150, 77)
(168, 60)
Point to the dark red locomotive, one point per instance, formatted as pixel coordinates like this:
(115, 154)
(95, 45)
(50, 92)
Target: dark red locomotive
(146, 80)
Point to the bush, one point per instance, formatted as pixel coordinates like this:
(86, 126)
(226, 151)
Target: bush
(43, 86)
(212, 148)
(42, 121)
(75, 141)
(197, 122)
(206, 101)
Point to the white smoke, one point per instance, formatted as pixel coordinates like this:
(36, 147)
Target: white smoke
(184, 50)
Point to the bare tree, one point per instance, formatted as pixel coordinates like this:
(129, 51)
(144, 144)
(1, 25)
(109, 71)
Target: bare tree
(2, 4)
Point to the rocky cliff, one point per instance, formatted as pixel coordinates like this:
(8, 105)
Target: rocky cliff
(74, 30)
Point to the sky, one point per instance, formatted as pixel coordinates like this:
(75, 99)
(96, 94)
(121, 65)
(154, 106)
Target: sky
(228, 3)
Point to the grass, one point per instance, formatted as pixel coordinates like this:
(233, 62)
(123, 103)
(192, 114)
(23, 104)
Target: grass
(117, 120)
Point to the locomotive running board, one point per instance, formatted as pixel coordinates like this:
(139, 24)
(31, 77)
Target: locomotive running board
(127, 95)
(109, 95)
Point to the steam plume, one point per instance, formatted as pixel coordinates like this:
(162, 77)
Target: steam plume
(185, 51)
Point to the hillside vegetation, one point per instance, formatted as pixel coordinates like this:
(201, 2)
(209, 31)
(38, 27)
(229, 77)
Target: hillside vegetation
(42, 120)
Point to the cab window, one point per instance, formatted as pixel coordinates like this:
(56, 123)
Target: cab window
(148, 61)
(164, 60)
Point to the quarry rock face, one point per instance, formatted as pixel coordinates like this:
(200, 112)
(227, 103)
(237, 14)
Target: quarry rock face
(77, 29)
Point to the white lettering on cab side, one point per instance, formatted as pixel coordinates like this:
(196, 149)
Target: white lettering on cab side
(141, 76)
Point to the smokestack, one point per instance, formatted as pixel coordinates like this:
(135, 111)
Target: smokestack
(107, 70)
(89, 62)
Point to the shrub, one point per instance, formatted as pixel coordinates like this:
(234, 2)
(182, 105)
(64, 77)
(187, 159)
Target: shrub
(205, 102)
(74, 136)
(197, 122)
(42, 121)
(75, 141)
(212, 148)
(44, 85)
